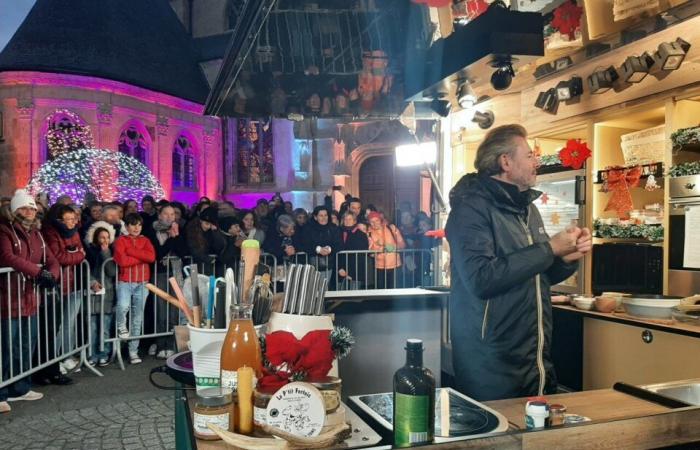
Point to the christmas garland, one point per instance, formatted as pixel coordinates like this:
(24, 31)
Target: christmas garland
(684, 169)
(549, 160)
(653, 233)
(685, 136)
(60, 139)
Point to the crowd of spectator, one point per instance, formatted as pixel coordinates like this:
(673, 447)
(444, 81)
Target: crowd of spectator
(125, 243)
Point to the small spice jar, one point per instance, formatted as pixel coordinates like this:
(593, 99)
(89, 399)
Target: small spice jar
(261, 398)
(330, 388)
(213, 405)
(556, 414)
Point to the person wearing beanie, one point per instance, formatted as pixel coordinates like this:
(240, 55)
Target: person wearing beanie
(23, 249)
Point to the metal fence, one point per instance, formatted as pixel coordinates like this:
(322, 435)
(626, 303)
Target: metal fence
(40, 327)
(86, 312)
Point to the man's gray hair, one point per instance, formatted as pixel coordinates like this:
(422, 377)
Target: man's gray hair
(284, 221)
(107, 208)
(499, 141)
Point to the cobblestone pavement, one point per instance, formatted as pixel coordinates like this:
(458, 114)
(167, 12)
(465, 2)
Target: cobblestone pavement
(136, 424)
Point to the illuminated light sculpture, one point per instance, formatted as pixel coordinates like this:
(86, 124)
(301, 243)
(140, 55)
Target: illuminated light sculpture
(106, 174)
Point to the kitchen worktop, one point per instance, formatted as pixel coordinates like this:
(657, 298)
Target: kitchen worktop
(661, 325)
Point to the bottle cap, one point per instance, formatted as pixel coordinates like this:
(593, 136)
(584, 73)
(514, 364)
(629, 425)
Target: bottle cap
(414, 344)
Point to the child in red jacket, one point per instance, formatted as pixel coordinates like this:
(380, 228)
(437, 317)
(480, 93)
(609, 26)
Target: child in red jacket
(134, 255)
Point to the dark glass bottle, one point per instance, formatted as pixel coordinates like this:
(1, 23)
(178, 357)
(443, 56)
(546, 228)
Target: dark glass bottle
(414, 399)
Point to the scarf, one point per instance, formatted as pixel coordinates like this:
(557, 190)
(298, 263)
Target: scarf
(63, 229)
(161, 228)
(347, 231)
(250, 234)
(26, 224)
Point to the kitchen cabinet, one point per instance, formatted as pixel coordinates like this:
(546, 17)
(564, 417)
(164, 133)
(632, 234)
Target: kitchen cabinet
(614, 352)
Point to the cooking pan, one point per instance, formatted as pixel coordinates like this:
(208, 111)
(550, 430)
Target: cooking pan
(179, 368)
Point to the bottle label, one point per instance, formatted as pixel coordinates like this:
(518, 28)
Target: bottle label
(259, 415)
(200, 421)
(229, 379)
(411, 419)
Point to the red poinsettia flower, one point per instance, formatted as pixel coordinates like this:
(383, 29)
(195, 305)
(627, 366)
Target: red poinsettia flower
(567, 18)
(273, 380)
(574, 154)
(282, 347)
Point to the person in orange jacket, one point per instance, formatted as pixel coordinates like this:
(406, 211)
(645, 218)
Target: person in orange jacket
(134, 255)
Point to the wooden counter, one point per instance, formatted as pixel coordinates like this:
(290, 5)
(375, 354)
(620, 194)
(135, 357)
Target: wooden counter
(661, 325)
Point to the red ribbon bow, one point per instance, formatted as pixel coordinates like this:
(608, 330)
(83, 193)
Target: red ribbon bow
(290, 358)
(619, 183)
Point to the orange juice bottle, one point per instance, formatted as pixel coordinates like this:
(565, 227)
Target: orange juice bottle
(240, 348)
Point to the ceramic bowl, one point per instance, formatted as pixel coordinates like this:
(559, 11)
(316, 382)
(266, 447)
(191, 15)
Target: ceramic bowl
(585, 303)
(606, 304)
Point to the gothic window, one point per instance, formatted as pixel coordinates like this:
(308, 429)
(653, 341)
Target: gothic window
(65, 131)
(183, 164)
(254, 154)
(135, 141)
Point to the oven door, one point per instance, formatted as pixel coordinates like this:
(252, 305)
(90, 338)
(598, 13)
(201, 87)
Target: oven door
(684, 281)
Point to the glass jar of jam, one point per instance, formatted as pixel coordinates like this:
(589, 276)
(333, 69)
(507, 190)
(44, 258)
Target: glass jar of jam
(330, 388)
(213, 406)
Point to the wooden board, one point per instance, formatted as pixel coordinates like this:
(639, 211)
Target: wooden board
(600, 405)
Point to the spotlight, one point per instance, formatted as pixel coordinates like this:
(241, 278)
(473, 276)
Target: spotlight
(566, 90)
(441, 106)
(670, 55)
(602, 80)
(483, 119)
(636, 68)
(465, 96)
(548, 101)
(503, 75)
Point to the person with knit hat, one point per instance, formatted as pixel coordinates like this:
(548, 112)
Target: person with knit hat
(23, 249)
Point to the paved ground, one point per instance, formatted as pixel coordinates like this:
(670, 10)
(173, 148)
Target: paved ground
(121, 410)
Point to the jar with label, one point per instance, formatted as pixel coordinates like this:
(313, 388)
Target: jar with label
(261, 398)
(213, 406)
(330, 388)
(536, 414)
(556, 414)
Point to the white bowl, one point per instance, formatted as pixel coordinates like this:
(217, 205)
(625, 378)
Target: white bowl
(656, 307)
(585, 303)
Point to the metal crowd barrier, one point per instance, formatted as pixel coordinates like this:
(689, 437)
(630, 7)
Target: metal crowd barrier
(53, 332)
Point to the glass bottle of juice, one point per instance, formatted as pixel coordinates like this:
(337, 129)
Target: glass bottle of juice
(240, 348)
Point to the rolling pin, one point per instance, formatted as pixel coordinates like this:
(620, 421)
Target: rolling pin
(250, 255)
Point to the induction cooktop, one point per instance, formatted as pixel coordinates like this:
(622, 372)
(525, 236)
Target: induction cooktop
(457, 417)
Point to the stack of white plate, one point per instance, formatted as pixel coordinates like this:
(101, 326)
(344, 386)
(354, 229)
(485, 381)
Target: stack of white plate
(652, 306)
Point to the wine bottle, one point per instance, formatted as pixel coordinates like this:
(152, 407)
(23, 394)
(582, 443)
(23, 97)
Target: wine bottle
(414, 399)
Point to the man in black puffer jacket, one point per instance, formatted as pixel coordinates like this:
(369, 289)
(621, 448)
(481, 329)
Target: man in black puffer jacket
(503, 264)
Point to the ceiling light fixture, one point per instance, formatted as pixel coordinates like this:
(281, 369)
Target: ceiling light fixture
(670, 55)
(548, 101)
(602, 80)
(566, 90)
(636, 68)
(465, 96)
(441, 105)
(502, 77)
(483, 119)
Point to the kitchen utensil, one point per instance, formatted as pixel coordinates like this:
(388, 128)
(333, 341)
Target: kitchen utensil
(690, 303)
(653, 306)
(230, 293)
(210, 300)
(649, 396)
(181, 299)
(250, 255)
(321, 297)
(196, 301)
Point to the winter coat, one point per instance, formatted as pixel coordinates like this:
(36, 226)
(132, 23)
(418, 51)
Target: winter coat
(353, 263)
(134, 256)
(172, 246)
(316, 235)
(205, 247)
(97, 260)
(25, 252)
(273, 245)
(69, 253)
(385, 240)
(502, 268)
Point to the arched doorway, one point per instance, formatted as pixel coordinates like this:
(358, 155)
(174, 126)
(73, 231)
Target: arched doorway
(388, 187)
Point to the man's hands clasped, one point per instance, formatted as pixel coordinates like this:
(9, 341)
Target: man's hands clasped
(571, 244)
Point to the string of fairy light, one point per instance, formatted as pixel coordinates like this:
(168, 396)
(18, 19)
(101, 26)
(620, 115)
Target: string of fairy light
(66, 131)
(105, 174)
